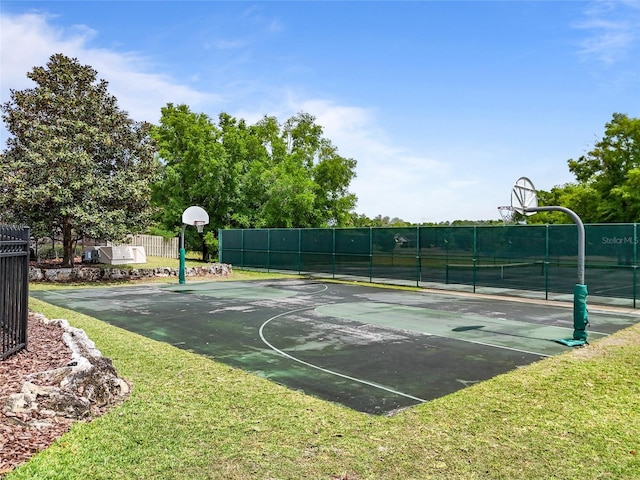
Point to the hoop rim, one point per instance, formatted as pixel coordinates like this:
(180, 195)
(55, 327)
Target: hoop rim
(507, 212)
(199, 224)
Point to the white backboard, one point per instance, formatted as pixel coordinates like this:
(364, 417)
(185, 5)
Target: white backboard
(524, 196)
(195, 214)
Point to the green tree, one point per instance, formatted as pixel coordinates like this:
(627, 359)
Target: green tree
(187, 145)
(358, 220)
(612, 170)
(608, 177)
(75, 164)
(578, 197)
(305, 181)
(253, 152)
(263, 175)
(196, 171)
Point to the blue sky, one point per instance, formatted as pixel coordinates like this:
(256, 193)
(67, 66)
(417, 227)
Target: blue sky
(443, 104)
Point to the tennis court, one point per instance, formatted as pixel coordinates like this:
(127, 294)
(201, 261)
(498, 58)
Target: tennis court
(372, 349)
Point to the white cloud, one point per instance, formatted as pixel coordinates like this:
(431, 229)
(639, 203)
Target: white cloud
(392, 180)
(225, 44)
(28, 40)
(613, 29)
(140, 92)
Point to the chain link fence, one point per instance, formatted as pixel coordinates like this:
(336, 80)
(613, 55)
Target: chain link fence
(504, 259)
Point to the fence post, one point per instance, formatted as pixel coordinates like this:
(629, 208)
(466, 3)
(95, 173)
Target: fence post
(243, 249)
(475, 258)
(25, 284)
(370, 254)
(546, 263)
(418, 262)
(635, 263)
(268, 249)
(299, 251)
(333, 255)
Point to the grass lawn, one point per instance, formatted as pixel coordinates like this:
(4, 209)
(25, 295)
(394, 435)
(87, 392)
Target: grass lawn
(576, 415)
(192, 259)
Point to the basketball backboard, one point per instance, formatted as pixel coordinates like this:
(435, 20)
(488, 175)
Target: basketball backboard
(195, 216)
(524, 196)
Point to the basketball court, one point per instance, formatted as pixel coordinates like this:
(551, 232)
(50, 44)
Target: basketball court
(372, 349)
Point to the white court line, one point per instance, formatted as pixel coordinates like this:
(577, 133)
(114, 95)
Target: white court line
(485, 344)
(331, 372)
(609, 289)
(55, 292)
(325, 288)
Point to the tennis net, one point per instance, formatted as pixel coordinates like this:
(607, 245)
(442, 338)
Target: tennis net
(463, 273)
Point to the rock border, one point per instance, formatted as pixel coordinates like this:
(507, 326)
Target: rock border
(82, 389)
(97, 274)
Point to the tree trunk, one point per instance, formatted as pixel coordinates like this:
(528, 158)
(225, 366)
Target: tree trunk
(205, 250)
(67, 243)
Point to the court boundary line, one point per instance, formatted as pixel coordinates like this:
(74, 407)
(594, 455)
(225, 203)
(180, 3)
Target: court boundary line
(484, 344)
(322, 369)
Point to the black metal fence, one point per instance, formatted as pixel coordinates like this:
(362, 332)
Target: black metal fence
(14, 281)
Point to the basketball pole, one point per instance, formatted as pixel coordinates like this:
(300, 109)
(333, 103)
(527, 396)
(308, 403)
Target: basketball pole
(181, 275)
(198, 217)
(580, 312)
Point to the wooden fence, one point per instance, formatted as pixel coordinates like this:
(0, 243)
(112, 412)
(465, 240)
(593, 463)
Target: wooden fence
(154, 246)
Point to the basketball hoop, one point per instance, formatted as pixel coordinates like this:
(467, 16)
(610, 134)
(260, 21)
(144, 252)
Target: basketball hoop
(199, 224)
(197, 217)
(508, 214)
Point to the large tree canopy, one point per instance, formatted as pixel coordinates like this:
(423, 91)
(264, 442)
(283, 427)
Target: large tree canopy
(75, 164)
(611, 172)
(607, 187)
(263, 175)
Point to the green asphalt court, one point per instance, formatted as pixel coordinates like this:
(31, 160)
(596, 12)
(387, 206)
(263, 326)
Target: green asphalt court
(372, 349)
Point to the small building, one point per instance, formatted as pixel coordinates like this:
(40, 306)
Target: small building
(115, 255)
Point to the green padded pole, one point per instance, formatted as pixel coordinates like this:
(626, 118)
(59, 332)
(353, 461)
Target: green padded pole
(181, 276)
(580, 313)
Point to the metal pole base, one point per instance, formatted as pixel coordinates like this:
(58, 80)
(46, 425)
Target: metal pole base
(580, 318)
(570, 342)
(181, 276)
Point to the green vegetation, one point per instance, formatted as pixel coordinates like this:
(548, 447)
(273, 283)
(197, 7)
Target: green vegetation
(607, 187)
(571, 416)
(77, 166)
(262, 175)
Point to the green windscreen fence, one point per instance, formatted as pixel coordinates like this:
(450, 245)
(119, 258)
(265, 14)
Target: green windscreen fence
(539, 258)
